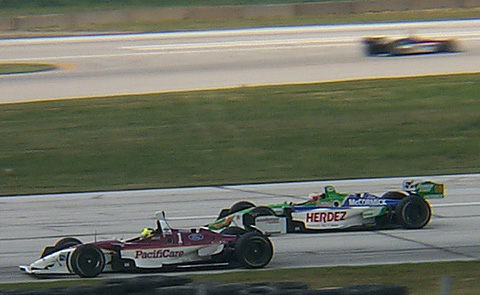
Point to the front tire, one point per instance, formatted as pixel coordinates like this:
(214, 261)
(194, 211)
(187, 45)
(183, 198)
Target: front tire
(413, 212)
(61, 244)
(67, 243)
(253, 250)
(87, 261)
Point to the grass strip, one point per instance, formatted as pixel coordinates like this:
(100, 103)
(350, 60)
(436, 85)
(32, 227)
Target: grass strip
(21, 68)
(370, 128)
(420, 278)
(189, 24)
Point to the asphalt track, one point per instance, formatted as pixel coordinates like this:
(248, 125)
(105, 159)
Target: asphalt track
(118, 64)
(31, 222)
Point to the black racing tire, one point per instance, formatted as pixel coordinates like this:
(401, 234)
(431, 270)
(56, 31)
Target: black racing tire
(87, 261)
(242, 205)
(394, 195)
(413, 212)
(61, 244)
(233, 230)
(249, 218)
(253, 250)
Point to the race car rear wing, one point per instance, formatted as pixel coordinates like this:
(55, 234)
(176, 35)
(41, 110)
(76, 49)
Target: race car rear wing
(426, 189)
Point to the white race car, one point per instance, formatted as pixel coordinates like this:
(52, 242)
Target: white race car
(156, 249)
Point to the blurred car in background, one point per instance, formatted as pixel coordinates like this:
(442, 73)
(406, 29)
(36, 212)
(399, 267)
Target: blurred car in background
(410, 45)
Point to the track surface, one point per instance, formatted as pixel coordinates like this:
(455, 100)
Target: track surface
(105, 65)
(32, 222)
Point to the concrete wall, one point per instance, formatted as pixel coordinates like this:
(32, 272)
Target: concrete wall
(226, 12)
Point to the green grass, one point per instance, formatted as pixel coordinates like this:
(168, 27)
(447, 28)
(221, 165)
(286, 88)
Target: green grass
(373, 128)
(189, 24)
(42, 7)
(18, 68)
(420, 278)
(66, 6)
(11, 8)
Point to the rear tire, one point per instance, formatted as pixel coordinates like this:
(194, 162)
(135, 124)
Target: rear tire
(87, 261)
(253, 250)
(413, 212)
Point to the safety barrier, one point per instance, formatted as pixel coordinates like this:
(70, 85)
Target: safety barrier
(73, 20)
(181, 285)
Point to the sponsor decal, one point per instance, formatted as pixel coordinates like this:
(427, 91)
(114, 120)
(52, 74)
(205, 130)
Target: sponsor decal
(221, 224)
(161, 253)
(367, 202)
(425, 187)
(269, 220)
(326, 217)
(195, 237)
(324, 204)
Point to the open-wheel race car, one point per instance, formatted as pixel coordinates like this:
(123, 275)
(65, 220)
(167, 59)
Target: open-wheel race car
(332, 210)
(408, 45)
(154, 249)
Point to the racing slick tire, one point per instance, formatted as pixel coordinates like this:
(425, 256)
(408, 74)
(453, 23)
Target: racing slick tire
(87, 261)
(61, 244)
(239, 206)
(413, 212)
(253, 250)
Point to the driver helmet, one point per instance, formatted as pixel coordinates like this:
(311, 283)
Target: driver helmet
(147, 232)
(316, 196)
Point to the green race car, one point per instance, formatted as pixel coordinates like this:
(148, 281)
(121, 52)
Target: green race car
(331, 209)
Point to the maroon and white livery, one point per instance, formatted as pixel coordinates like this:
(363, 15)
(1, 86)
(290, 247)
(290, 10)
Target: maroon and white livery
(163, 247)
